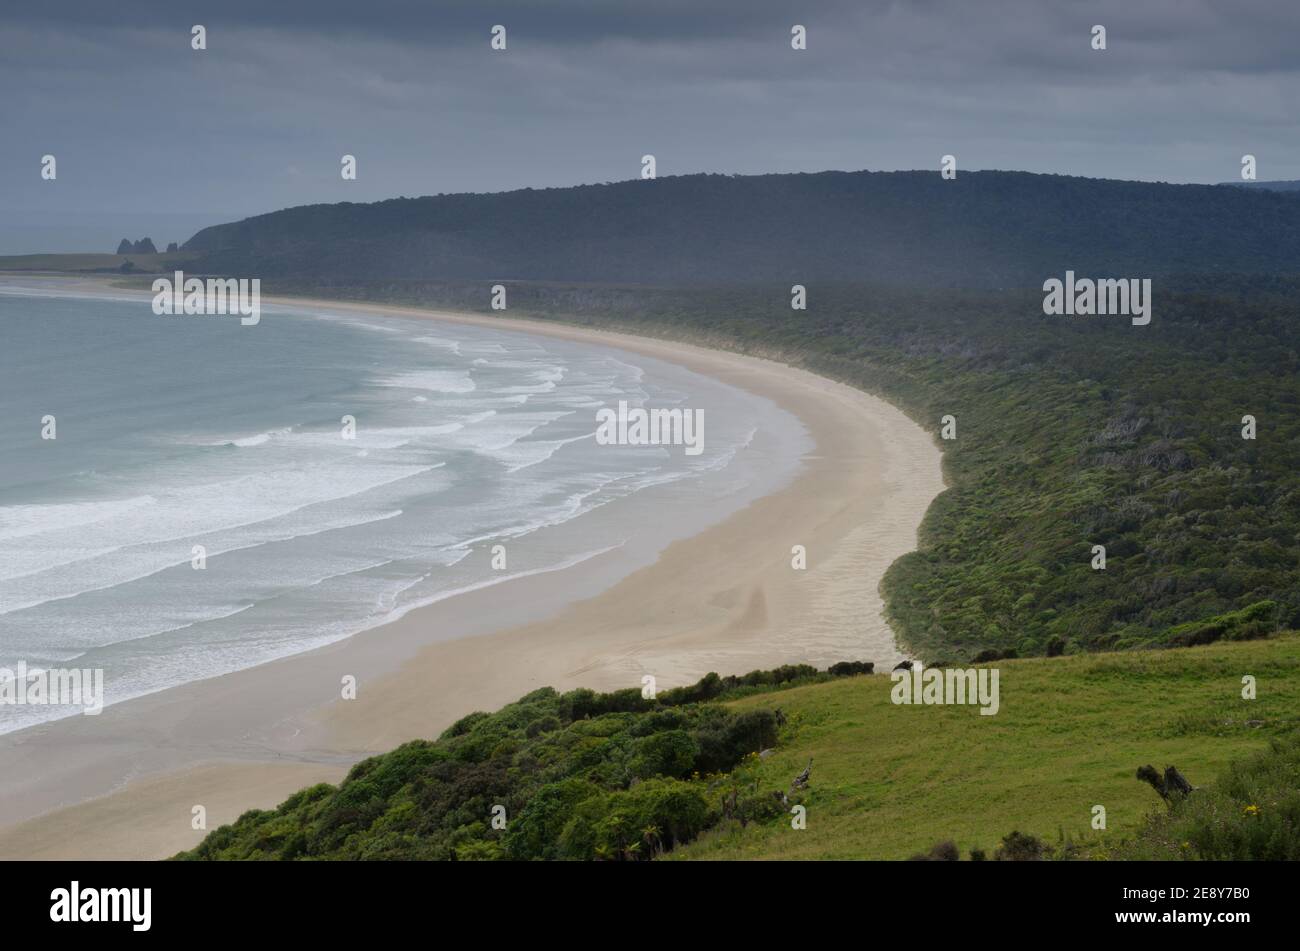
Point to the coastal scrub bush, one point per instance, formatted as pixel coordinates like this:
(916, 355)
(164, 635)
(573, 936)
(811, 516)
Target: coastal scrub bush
(1019, 847)
(1252, 813)
(940, 852)
(1253, 621)
(670, 753)
(635, 823)
(580, 775)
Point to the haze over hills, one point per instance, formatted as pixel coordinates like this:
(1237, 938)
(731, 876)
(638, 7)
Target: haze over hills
(983, 229)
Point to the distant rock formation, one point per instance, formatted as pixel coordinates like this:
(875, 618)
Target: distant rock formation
(143, 246)
(172, 248)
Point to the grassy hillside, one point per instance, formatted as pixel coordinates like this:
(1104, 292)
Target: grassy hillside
(891, 781)
(570, 776)
(983, 229)
(616, 776)
(93, 263)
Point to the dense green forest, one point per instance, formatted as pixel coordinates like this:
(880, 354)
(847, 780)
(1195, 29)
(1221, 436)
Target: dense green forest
(1280, 186)
(1071, 432)
(982, 229)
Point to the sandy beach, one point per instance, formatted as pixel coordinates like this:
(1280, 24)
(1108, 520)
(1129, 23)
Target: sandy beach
(724, 599)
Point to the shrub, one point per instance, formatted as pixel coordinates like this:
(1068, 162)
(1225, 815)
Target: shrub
(633, 824)
(1254, 621)
(671, 753)
(1252, 813)
(849, 668)
(1019, 847)
(940, 852)
(724, 744)
(547, 724)
(535, 832)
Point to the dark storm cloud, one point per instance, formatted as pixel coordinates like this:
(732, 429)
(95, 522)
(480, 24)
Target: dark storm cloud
(142, 124)
(438, 22)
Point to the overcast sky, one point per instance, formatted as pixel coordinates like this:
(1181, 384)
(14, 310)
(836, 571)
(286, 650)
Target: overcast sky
(150, 134)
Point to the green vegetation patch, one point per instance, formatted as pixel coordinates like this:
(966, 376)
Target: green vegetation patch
(580, 775)
(614, 776)
(889, 782)
(1252, 813)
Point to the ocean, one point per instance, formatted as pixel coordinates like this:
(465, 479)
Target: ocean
(185, 431)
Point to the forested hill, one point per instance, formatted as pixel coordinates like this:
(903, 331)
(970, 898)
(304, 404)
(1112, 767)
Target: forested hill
(982, 229)
(1269, 186)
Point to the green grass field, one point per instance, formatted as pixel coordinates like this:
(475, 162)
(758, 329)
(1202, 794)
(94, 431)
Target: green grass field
(889, 781)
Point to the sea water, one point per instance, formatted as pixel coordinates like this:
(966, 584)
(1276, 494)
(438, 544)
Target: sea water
(177, 437)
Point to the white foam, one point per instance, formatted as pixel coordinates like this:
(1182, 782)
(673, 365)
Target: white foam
(284, 506)
(442, 343)
(434, 381)
(129, 566)
(181, 515)
(21, 521)
(527, 453)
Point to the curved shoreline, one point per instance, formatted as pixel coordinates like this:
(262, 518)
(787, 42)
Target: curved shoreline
(725, 598)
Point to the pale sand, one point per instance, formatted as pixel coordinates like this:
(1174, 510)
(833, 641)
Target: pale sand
(725, 599)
